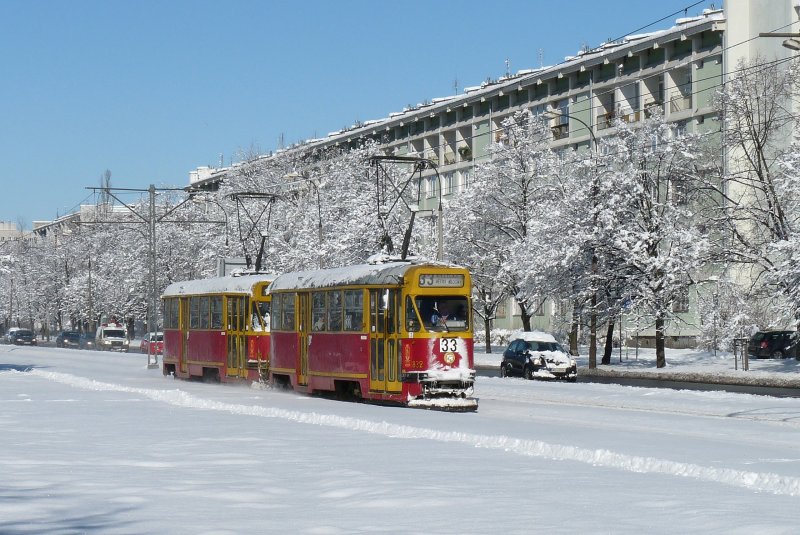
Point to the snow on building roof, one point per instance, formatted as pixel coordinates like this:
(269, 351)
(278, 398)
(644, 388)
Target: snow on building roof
(600, 52)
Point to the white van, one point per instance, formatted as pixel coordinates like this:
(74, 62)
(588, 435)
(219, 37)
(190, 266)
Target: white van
(112, 337)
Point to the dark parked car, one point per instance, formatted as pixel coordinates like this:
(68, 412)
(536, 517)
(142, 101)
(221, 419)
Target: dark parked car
(68, 339)
(19, 336)
(537, 355)
(87, 341)
(773, 344)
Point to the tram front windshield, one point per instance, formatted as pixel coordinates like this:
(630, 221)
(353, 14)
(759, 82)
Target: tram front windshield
(443, 313)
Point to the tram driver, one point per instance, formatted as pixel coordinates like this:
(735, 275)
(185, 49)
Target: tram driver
(441, 313)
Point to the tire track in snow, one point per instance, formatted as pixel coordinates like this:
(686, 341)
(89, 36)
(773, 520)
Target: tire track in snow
(756, 481)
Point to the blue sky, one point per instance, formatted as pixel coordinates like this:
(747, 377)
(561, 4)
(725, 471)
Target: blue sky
(153, 89)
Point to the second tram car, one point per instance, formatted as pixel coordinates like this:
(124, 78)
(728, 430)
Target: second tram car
(398, 332)
(218, 328)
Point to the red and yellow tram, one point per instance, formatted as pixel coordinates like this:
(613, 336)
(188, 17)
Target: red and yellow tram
(396, 332)
(218, 328)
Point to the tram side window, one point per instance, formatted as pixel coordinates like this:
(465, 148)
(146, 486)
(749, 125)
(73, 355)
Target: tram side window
(287, 321)
(277, 307)
(335, 311)
(231, 316)
(216, 312)
(412, 320)
(204, 309)
(194, 313)
(391, 311)
(171, 313)
(241, 313)
(318, 311)
(353, 310)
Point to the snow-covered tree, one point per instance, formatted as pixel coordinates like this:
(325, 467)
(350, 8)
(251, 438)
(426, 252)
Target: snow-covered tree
(654, 236)
(761, 186)
(504, 199)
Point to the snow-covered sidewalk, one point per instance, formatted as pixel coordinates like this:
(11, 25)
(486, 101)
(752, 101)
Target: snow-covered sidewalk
(682, 365)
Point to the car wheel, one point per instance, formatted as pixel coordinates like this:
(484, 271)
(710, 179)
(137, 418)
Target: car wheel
(528, 373)
(777, 354)
(503, 371)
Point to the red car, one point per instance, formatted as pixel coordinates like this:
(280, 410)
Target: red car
(156, 342)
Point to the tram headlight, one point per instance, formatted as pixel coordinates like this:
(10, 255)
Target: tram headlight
(449, 358)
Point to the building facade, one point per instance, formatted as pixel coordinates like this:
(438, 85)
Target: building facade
(678, 69)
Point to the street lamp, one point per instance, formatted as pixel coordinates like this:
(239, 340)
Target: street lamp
(792, 43)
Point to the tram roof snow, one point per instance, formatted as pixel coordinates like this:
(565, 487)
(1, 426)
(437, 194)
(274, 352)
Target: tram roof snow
(217, 285)
(390, 273)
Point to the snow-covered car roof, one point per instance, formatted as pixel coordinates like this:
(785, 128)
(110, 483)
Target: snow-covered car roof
(533, 336)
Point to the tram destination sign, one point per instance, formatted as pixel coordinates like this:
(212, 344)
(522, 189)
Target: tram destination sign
(441, 280)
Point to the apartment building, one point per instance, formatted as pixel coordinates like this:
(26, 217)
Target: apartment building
(677, 69)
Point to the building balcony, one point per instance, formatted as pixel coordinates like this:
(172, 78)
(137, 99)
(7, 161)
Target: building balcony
(560, 131)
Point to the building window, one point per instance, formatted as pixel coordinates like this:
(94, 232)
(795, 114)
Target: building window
(680, 192)
(431, 189)
(654, 56)
(503, 102)
(502, 309)
(449, 183)
(681, 302)
(466, 177)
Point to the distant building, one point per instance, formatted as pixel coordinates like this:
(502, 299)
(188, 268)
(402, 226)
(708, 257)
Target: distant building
(11, 232)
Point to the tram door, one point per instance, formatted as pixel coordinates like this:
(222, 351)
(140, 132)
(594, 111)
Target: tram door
(383, 345)
(303, 327)
(236, 339)
(183, 325)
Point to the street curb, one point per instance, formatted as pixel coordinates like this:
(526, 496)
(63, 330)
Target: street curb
(696, 377)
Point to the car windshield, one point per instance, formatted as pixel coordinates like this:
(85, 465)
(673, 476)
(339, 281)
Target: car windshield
(545, 346)
(71, 334)
(24, 332)
(114, 333)
(443, 312)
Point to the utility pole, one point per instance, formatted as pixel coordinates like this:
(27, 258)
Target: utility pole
(152, 314)
(150, 219)
(91, 305)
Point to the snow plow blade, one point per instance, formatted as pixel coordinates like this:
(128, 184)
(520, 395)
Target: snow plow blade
(445, 404)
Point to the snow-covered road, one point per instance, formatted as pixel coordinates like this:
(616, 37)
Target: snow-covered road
(98, 442)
